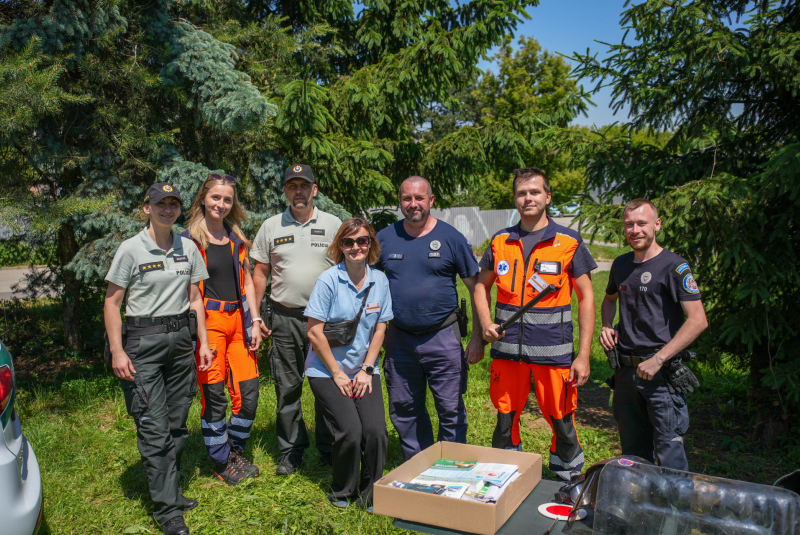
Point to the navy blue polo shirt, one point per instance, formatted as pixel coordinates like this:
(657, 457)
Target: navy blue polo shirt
(422, 272)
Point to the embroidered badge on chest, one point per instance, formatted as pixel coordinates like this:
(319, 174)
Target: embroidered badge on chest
(151, 266)
(283, 240)
(502, 267)
(435, 245)
(646, 277)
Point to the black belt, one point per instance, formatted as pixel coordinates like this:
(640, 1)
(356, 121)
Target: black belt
(143, 326)
(296, 313)
(448, 321)
(632, 360)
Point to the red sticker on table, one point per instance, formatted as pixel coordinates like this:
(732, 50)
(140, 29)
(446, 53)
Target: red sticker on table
(559, 511)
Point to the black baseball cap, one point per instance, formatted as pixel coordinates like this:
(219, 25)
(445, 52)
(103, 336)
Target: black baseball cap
(161, 190)
(299, 170)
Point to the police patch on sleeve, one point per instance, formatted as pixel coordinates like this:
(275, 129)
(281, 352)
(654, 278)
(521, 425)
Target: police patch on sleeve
(502, 267)
(690, 285)
(285, 239)
(683, 267)
(151, 266)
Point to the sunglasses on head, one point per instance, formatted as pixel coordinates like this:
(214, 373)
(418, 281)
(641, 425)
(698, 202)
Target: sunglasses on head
(226, 178)
(361, 241)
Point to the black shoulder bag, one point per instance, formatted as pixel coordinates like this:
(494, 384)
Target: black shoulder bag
(343, 333)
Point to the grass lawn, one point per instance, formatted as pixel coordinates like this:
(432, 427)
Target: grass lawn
(94, 481)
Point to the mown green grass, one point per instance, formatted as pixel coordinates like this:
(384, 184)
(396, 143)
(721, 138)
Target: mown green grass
(606, 252)
(94, 481)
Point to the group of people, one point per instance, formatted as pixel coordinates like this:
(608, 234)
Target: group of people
(340, 292)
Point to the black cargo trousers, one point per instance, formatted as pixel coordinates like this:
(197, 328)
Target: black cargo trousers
(159, 399)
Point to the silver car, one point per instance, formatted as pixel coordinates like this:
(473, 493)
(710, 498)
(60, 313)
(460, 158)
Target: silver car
(20, 480)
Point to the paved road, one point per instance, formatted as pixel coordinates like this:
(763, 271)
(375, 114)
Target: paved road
(9, 276)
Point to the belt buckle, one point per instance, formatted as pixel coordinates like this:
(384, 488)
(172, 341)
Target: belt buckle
(172, 326)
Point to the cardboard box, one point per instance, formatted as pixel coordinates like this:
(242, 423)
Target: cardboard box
(453, 513)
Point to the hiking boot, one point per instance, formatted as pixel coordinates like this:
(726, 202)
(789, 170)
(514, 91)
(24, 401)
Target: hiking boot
(289, 464)
(188, 504)
(242, 462)
(234, 471)
(175, 526)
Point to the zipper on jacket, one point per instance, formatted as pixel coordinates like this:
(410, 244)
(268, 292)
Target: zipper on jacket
(522, 295)
(514, 276)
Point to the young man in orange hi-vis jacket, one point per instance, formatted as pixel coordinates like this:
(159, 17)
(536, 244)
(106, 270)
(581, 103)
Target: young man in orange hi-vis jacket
(522, 260)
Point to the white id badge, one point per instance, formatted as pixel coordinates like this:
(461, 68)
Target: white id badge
(372, 308)
(537, 282)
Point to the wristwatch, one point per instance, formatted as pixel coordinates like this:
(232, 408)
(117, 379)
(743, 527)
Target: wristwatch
(367, 368)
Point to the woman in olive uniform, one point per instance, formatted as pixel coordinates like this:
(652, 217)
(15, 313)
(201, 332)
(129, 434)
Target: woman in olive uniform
(155, 358)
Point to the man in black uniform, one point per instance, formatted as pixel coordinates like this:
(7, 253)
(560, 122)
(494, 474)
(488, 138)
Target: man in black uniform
(660, 315)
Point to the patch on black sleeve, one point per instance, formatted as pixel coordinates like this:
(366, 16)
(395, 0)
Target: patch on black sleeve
(152, 266)
(285, 239)
(317, 231)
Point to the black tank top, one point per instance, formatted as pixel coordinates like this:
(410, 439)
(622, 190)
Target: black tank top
(221, 282)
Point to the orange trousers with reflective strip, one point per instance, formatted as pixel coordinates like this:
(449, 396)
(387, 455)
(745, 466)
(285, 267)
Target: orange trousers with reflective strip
(233, 362)
(511, 384)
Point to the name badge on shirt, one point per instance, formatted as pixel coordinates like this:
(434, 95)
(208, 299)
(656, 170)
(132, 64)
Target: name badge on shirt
(548, 267)
(151, 266)
(395, 257)
(372, 308)
(434, 255)
(317, 231)
(537, 282)
(285, 239)
(182, 258)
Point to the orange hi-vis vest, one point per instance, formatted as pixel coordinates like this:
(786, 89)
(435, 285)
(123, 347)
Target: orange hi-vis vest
(239, 250)
(543, 335)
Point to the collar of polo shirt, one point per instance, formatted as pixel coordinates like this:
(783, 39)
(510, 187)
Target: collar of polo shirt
(153, 246)
(344, 277)
(287, 215)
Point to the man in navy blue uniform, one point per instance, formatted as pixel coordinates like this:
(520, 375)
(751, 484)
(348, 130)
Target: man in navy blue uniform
(660, 314)
(421, 257)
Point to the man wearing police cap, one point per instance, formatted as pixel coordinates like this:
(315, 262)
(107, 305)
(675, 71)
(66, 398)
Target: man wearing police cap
(291, 247)
(660, 315)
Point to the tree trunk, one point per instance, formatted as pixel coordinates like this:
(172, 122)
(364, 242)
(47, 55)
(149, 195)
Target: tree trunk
(67, 249)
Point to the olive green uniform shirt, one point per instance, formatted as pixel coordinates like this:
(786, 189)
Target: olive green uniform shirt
(157, 280)
(296, 253)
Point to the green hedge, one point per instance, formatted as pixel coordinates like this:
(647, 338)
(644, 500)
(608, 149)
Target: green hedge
(18, 253)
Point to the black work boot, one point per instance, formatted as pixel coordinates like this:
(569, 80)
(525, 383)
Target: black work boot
(188, 503)
(289, 464)
(175, 526)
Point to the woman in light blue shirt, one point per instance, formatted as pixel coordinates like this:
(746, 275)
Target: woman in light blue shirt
(345, 379)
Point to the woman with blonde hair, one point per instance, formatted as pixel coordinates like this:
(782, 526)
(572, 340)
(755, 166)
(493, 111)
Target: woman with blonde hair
(228, 293)
(347, 314)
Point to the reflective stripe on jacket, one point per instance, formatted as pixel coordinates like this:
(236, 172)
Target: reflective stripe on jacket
(544, 334)
(239, 250)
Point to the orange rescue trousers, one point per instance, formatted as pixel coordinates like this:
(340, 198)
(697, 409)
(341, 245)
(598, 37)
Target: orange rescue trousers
(235, 365)
(557, 398)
